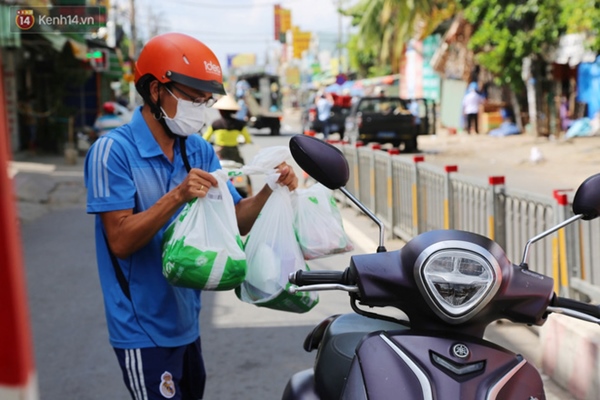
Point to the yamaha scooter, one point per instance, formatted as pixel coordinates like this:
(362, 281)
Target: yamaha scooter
(450, 285)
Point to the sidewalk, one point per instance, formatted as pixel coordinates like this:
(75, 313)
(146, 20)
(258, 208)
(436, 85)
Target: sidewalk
(565, 163)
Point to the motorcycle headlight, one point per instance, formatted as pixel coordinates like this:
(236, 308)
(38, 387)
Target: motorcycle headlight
(458, 282)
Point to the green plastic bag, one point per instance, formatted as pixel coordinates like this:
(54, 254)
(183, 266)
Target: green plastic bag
(202, 248)
(273, 253)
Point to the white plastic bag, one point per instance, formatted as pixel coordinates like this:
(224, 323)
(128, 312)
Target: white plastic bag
(272, 253)
(318, 223)
(202, 248)
(264, 162)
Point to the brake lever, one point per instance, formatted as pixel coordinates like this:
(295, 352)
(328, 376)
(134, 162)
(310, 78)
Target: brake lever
(575, 314)
(292, 289)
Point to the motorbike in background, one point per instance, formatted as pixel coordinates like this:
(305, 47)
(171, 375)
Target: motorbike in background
(450, 285)
(240, 182)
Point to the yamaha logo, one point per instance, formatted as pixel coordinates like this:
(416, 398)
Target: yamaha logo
(460, 350)
(212, 68)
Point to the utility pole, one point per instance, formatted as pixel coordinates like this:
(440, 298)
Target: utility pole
(132, 45)
(339, 41)
(132, 50)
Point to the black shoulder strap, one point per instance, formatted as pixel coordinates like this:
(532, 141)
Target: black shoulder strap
(118, 271)
(183, 150)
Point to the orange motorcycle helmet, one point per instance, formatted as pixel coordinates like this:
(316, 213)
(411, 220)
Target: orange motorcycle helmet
(175, 57)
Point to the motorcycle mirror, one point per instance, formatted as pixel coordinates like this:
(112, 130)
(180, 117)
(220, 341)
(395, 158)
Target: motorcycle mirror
(587, 198)
(321, 160)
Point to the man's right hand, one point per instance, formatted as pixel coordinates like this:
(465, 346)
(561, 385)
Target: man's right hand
(196, 184)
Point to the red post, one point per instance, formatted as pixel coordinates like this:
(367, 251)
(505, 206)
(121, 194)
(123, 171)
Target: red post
(17, 374)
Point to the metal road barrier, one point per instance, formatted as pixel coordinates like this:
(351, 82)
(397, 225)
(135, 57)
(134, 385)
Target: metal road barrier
(410, 197)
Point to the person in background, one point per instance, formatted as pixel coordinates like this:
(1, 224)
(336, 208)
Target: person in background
(31, 120)
(241, 87)
(324, 106)
(227, 130)
(274, 97)
(413, 107)
(470, 106)
(108, 121)
(139, 177)
(242, 113)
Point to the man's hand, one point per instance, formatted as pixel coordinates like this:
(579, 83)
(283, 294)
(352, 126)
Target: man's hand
(287, 176)
(196, 184)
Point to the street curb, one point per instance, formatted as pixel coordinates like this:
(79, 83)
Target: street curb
(570, 355)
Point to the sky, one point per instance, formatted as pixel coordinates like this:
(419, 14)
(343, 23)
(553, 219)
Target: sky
(238, 26)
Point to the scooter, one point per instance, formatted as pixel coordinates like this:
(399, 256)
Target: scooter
(240, 182)
(451, 285)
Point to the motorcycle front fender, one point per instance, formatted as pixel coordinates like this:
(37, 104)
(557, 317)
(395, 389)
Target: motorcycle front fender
(301, 386)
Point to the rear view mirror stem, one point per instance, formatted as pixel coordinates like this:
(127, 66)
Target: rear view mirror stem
(381, 247)
(543, 235)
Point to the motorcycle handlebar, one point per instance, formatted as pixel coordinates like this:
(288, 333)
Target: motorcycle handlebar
(303, 278)
(586, 308)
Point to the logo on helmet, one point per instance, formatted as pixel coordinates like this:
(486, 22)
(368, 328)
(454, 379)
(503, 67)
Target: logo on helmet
(212, 68)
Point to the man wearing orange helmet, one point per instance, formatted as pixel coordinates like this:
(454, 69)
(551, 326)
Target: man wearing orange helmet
(138, 177)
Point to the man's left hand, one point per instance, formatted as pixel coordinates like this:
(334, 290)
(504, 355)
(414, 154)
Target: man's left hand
(287, 176)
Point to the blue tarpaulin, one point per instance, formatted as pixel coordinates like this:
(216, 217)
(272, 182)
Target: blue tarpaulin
(588, 86)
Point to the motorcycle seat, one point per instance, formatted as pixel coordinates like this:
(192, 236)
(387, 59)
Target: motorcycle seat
(337, 347)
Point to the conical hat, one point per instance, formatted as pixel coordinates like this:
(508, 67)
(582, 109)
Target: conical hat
(226, 103)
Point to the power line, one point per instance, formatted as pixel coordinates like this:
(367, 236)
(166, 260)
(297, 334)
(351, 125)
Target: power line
(229, 6)
(232, 35)
(214, 39)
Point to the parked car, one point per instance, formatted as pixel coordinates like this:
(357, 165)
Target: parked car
(390, 120)
(340, 110)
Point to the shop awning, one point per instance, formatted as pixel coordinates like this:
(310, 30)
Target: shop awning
(57, 40)
(571, 50)
(7, 38)
(79, 49)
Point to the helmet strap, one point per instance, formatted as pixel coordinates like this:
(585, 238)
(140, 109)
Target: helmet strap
(155, 107)
(157, 113)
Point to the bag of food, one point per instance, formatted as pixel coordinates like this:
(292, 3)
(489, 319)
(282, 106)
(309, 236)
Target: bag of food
(272, 253)
(202, 247)
(318, 223)
(264, 163)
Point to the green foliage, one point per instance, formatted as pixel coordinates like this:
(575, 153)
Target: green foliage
(360, 60)
(506, 31)
(385, 26)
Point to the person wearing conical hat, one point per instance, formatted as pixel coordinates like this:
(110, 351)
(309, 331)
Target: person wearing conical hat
(227, 130)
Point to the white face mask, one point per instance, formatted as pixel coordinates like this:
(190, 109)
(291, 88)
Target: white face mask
(188, 118)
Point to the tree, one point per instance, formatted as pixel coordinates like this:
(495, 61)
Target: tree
(511, 34)
(506, 32)
(385, 26)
